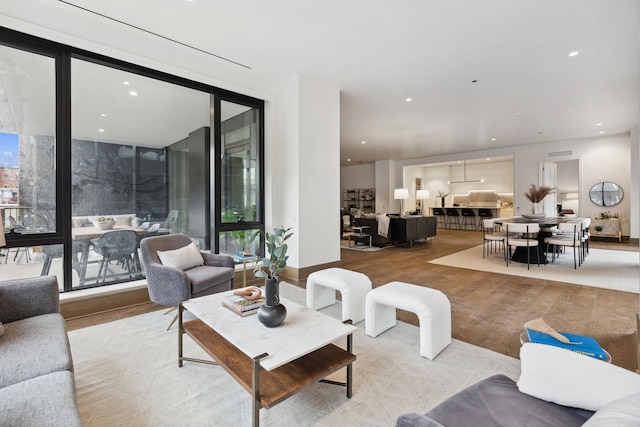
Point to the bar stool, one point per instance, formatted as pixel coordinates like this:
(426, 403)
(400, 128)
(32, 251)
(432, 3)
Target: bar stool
(469, 218)
(440, 215)
(453, 217)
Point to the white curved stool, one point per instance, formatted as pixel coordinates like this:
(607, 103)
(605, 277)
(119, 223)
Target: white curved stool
(323, 284)
(430, 305)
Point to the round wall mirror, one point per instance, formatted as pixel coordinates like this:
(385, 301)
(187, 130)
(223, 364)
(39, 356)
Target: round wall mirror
(606, 194)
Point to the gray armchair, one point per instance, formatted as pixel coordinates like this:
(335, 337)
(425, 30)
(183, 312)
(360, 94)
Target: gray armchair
(169, 286)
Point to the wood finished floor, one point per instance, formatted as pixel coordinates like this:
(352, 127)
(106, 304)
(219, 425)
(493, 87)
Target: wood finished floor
(488, 309)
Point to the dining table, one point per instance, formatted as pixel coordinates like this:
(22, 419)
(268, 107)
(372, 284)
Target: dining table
(84, 236)
(536, 253)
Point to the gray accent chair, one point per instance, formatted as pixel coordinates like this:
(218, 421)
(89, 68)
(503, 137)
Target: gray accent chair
(37, 386)
(169, 286)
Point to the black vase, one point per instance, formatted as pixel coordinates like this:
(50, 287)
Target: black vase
(442, 202)
(272, 313)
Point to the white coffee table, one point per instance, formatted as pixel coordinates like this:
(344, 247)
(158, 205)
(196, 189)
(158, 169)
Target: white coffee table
(270, 363)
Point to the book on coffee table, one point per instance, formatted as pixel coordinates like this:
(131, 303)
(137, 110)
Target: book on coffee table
(588, 345)
(242, 313)
(240, 304)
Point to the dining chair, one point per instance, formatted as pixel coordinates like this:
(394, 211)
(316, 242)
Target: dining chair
(491, 237)
(527, 233)
(570, 236)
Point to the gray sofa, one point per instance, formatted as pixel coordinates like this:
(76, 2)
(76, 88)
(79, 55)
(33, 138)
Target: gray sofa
(37, 386)
(556, 388)
(494, 402)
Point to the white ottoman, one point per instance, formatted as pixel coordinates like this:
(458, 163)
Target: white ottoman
(430, 305)
(353, 286)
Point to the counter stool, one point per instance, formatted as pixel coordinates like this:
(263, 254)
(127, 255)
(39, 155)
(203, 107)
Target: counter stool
(440, 215)
(430, 305)
(353, 286)
(453, 217)
(469, 218)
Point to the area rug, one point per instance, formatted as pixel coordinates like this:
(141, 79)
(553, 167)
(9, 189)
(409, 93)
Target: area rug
(609, 269)
(127, 375)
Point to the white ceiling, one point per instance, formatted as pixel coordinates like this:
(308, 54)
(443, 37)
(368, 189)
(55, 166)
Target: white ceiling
(379, 53)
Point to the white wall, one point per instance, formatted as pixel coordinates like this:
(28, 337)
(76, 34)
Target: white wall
(603, 158)
(358, 176)
(318, 188)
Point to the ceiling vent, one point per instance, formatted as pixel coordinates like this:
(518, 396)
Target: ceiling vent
(560, 153)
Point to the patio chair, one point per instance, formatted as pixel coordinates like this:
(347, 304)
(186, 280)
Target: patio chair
(119, 246)
(168, 225)
(169, 286)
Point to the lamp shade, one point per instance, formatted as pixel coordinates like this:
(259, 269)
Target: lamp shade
(401, 193)
(422, 194)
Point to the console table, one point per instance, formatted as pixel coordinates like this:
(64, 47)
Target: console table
(411, 228)
(607, 227)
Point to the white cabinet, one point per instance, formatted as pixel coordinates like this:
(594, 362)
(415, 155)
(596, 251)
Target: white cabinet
(609, 227)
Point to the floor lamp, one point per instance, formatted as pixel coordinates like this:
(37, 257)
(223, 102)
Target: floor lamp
(422, 195)
(401, 194)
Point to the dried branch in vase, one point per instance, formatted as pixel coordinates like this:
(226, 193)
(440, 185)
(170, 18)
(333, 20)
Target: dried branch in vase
(537, 194)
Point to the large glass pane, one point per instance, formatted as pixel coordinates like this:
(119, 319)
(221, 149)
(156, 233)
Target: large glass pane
(122, 127)
(27, 158)
(239, 179)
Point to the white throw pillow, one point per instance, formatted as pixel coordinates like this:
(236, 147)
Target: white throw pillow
(123, 220)
(624, 412)
(1, 329)
(79, 220)
(183, 258)
(572, 379)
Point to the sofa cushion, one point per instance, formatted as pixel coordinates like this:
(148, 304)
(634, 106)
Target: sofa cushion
(34, 346)
(182, 258)
(624, 412)
(47, 400)
(496, 402)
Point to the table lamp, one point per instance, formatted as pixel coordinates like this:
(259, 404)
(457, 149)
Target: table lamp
(422, 195)
(401, 194)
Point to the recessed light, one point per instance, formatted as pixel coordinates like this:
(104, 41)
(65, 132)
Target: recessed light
(488, 158)
(364, 142)
(409, 99)
(517, 113)
(126, 83)
(348, 160)
(133, 93)
(601, 131)
(598, 124)
(574, 53)
(459, 161)
(100, 130)
(493, 139)
(103, 115)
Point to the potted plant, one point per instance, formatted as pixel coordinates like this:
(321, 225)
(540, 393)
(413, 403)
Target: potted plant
(272, 313)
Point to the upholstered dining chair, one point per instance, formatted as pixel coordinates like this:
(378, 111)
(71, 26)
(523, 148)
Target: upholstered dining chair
(177, 271)
(528, 238)
(571, 236)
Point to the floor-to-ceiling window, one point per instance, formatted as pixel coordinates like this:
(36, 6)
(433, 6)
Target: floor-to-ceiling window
(241, 224)
(28, 172)
(95, 147)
